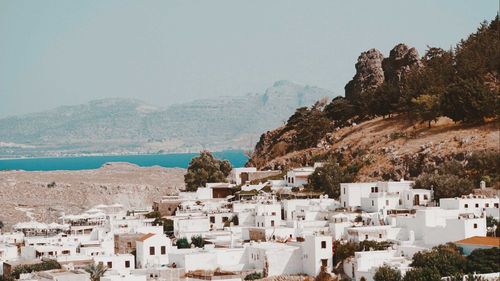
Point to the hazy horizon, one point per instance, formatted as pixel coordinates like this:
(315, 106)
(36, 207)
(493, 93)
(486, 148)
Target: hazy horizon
(55, 53)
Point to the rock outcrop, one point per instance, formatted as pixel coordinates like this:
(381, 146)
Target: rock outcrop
(369, 74)
(402, 59)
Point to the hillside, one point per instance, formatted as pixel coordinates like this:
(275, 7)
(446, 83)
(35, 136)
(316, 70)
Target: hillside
(390, 148)
(132, 126)
(404, 115)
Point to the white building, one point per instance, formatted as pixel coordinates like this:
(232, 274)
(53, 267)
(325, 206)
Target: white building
(235, 175)
(152, 251)
(434, 226)
(475, 204)
(298, 176)
(119, 264)
(378, 196)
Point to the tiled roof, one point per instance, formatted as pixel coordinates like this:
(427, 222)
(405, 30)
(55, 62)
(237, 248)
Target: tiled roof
(145, 237)
(481, 240)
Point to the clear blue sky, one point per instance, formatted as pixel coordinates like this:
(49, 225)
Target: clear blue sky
(68, 52)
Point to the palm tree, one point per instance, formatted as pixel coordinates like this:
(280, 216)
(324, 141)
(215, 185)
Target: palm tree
(96, 271)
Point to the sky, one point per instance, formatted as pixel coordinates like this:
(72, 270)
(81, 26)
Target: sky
(69, 52)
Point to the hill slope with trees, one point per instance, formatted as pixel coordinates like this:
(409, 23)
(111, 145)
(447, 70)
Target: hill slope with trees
(403, 116)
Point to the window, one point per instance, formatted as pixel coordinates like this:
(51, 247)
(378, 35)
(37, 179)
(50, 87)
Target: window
(380, 235)
(373, 189)
(323, 244)
(400, 202)
(475, 225)
(129, 244)
(163, 250)
(151, 251)
(387, 202)
(324, 262)
(212, 219)
(426, 197)
(110, 264)
(486, 205)
(273, 213)
(344, 204)
(477, 205)
(373, 203)
(466, 206)
(408, 197)
(127, 264)
(344, 190)
(366, 237)
(496, 205)
(272, 223)
(225, 219)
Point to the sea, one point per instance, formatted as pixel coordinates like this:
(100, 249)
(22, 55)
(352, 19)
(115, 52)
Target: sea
(173, 160)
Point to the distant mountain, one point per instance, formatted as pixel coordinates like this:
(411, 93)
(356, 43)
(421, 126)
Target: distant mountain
(132, 126)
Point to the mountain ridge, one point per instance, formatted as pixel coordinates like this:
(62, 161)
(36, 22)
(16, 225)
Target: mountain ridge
(121, 125)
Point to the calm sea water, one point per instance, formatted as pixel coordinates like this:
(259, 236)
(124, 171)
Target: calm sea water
(180, 160)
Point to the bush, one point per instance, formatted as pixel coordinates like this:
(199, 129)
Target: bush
(198, 241)
(43, 266)
(182, 243)
(253, 276)
(387, 273)
(422, 274)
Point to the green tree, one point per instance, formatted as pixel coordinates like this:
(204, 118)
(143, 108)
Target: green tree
(387, 273)
(422, 274)
(344, 250)
(340, 110)
(385, 100)
(444, 186)
(96, 271)
(206, 168)
(484, 165)
(484, 261)
(428, 108)
(328, 178)
(198, 241)
(446, 259)
(469, 100)
(182, 243)
(312, 129)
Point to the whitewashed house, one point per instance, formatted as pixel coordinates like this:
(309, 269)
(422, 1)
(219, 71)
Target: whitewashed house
(152, 250)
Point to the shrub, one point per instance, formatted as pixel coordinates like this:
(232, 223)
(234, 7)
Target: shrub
(198, 241)
(27, 268)
(253, 276)
(182, 243)
(387, 273)
(422, 274)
